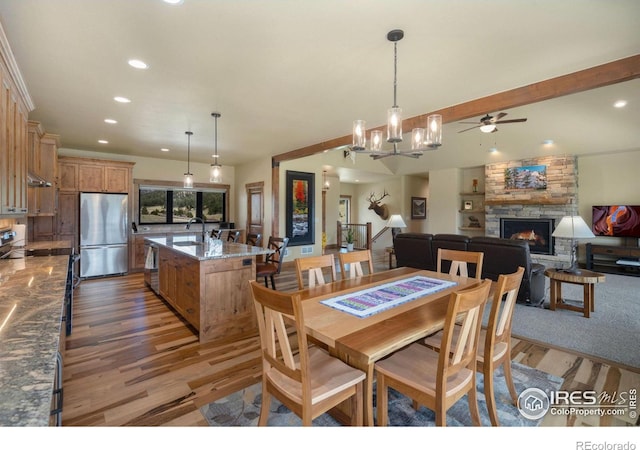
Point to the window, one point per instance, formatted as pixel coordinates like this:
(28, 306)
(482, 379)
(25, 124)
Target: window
(165, 205)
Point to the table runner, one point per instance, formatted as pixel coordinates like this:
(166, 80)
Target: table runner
(370, 301)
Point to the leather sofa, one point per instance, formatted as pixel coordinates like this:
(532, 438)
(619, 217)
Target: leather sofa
(420, 250)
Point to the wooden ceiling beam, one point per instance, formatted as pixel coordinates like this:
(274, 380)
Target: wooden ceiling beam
(603, 75)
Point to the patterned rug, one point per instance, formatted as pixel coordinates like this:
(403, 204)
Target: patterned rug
(242, 408)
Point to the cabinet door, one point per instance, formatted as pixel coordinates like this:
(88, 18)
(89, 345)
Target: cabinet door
(116, 179)
(90, 178)
(188, 293)
(48, 171)
(67, 218)
(68, 176)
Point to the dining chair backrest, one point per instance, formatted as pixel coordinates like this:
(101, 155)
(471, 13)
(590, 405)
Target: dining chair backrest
(351, 263)
(233, 236)
(314, 266)
(279, 246)
(287, 370)
(502, 306)
(254, 239)
(460, 261)
(216, 234)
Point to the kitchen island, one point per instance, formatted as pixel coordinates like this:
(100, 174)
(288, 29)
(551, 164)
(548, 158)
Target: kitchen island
(32, 300)
(209, 287)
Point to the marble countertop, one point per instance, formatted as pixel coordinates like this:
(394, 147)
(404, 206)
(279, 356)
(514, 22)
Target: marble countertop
(31, 309)
(193, 246)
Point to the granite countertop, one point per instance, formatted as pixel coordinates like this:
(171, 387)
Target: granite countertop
(31, 309)
(46, 245)
(193, 246)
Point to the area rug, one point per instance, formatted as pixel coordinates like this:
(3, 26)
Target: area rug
(611, 333)
(242, 408)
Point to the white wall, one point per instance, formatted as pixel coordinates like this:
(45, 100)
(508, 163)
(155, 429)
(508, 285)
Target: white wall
(442, 204)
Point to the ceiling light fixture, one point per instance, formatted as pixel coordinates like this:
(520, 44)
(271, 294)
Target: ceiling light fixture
(188, 176)
(174, 2)
(164, 149)
(110, 121)
(488, 128)
(620, 104)
(102, 141)
(421, 138)
(215, 176)
(122, 99)
(138, 64)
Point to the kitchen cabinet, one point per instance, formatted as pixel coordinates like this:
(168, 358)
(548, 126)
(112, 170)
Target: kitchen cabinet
(42, 161)
(68, 217)
(13, 149)
(94, 175)
(179, 278)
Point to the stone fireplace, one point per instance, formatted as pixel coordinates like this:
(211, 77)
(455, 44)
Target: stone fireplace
(544, 208)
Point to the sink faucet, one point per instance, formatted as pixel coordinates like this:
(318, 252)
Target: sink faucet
(195, 219)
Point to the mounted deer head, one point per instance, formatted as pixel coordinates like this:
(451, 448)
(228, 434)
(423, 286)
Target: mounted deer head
(380, 210)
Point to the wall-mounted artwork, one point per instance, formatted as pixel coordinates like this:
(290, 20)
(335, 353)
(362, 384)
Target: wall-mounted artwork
(525, 177)
(299, 208)
(418, 208)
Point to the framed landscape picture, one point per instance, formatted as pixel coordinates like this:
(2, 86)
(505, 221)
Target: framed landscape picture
(299, 207)
(526, 177)
(418, 208)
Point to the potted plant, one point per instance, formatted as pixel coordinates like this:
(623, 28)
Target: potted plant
(349, 239)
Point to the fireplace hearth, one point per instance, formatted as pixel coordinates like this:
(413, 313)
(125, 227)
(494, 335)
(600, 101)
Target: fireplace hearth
(537, 233)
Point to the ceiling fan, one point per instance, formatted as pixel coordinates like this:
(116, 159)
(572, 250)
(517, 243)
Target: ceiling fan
(488, 123)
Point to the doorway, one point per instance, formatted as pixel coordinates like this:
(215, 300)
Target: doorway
(255, 208)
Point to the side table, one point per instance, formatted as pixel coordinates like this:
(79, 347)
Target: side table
(586, 278)
(391, 251)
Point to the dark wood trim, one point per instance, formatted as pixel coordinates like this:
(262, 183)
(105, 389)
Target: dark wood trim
(275, 203)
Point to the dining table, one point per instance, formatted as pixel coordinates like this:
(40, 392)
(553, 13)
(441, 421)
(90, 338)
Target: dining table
(361, 341)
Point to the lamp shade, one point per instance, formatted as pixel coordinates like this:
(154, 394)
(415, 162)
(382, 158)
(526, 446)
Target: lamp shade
(572, 227)
(395, 221)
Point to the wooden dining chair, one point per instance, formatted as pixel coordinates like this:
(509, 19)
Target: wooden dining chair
(437, 380)
(494, 346)
(216, 234)
(233, 236)
(351, 262)
(308, 381)
(272, 264)
(254, 239)
(458, 260)
(313, 265)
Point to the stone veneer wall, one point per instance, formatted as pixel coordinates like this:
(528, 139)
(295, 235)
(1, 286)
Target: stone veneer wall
(558, 200)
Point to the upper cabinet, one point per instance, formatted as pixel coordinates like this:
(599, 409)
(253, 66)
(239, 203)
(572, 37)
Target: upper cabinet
(15, 105)
(94, 175)
(42, 157)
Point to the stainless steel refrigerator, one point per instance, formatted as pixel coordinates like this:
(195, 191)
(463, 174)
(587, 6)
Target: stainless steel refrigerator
(103, 234)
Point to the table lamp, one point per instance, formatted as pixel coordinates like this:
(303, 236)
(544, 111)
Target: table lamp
(395, 222)
(572, 227)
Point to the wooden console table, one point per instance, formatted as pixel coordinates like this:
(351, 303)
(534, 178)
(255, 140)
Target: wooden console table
(611, 259)
(586, 278)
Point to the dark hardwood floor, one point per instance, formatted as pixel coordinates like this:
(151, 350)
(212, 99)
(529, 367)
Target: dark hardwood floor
(131, 361)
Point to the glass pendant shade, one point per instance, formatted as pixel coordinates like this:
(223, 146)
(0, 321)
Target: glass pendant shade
(394, 124)
(488, 128)
(417, 138)
(359, 137)
(434, 131)
(376, 141)
(215, 174)
(188, 181)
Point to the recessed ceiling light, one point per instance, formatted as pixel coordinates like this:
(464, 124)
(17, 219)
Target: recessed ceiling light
(493, 150)
(122, 99)
(102, 141)
(111, 121)
(620, 104)
(173, 2)
(548, 142)
(164, 149)
(136, 63)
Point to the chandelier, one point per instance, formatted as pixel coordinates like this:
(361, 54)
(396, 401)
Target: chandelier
(215, 175)
(422, 139)
(188, 176)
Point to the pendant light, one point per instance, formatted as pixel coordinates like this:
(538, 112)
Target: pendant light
(215, 175)
(422, 139)
(325, 182)
(188, 176)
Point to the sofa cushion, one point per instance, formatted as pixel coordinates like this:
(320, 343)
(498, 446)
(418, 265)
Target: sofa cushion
(414, 250)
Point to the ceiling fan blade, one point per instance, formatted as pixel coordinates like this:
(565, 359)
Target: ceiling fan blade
(495, 129)
(512, 120)
(476, 122)
(477, 126)
(498, 117)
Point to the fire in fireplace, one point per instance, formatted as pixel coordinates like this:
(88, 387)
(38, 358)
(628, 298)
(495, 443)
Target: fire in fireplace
(537, 232)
